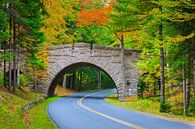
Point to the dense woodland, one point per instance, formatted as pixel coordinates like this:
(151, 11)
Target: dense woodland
(86, 78)
(162, 29)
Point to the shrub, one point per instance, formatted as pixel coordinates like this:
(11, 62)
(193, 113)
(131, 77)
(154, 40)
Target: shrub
(165, 106)
(23, 80)
(191, 110)
(1, 79)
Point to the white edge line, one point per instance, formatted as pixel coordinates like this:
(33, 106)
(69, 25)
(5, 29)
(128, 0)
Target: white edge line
(51, 118)
(79, 102)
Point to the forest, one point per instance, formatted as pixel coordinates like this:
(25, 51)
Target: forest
(163, 30)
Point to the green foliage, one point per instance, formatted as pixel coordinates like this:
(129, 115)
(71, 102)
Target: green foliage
(124, 17)
(23, 80)
(95, 35)
(3, 23)
(165, 106)
(1, 79)
(8, 56)
(191, 110)
(87, 78)
(34, 60)
(141, 87)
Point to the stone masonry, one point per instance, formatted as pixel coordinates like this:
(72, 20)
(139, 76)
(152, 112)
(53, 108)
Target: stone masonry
(106, 58)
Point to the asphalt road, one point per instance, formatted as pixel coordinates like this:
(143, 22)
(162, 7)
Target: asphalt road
(88, 110)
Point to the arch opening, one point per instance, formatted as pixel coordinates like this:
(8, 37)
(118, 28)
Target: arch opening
(66, 72)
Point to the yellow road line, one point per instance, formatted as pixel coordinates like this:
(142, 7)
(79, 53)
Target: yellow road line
(79, 102)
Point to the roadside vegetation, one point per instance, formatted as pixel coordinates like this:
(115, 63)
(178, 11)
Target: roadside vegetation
(150, 106)
(13, 115)
(38, 117)
(11, 107)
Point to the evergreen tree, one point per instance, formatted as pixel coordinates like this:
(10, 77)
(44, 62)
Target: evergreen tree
(124, 19)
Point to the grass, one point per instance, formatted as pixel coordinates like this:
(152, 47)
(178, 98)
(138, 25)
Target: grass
(11, 112)
(13, 117)
(148, 106)
(38, 117)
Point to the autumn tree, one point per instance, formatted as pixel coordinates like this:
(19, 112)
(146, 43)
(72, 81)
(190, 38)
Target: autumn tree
(160, 33)
(92, 21)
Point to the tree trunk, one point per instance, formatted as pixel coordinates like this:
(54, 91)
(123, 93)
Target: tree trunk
(64, 82)
(18, 59)
(18, 68)
(71, 81)
(123, 65)
(100, 80)
(35, 78)
(81, 76)
(188, 83)
(168, 74)
(184, 90)
(74, 79)
(10, 63)
(162, 78)
(14, 56)
(5, 66)
(67, 82)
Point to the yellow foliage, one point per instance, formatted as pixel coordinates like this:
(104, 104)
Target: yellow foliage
(60, 91)
(182, 38)
(131, 99)
(176, 99)
(55, 24)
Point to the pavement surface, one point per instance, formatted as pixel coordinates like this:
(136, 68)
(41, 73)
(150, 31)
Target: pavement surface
(88, 110)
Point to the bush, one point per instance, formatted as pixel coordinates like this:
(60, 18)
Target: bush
(23, 80)
(1, 79)
(191, 110)
(165, 106)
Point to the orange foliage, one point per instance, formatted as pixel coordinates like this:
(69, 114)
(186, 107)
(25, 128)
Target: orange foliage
(131, 99)
(26, 119)
(94, 16)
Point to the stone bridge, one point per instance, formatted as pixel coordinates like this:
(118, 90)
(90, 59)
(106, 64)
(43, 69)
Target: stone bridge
(108, 59)
(63, 57)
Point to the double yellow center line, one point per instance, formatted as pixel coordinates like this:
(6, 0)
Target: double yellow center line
(79, 102)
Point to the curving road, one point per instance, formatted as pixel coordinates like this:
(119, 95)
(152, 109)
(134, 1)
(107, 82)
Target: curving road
(87, 110)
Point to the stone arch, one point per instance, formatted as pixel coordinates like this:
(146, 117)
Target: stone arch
(60, 67)
(63, 71)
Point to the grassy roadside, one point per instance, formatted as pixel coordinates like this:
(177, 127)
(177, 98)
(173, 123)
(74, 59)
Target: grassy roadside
(13, 117)
(11, 113)
(37, 117)
(146, 106)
